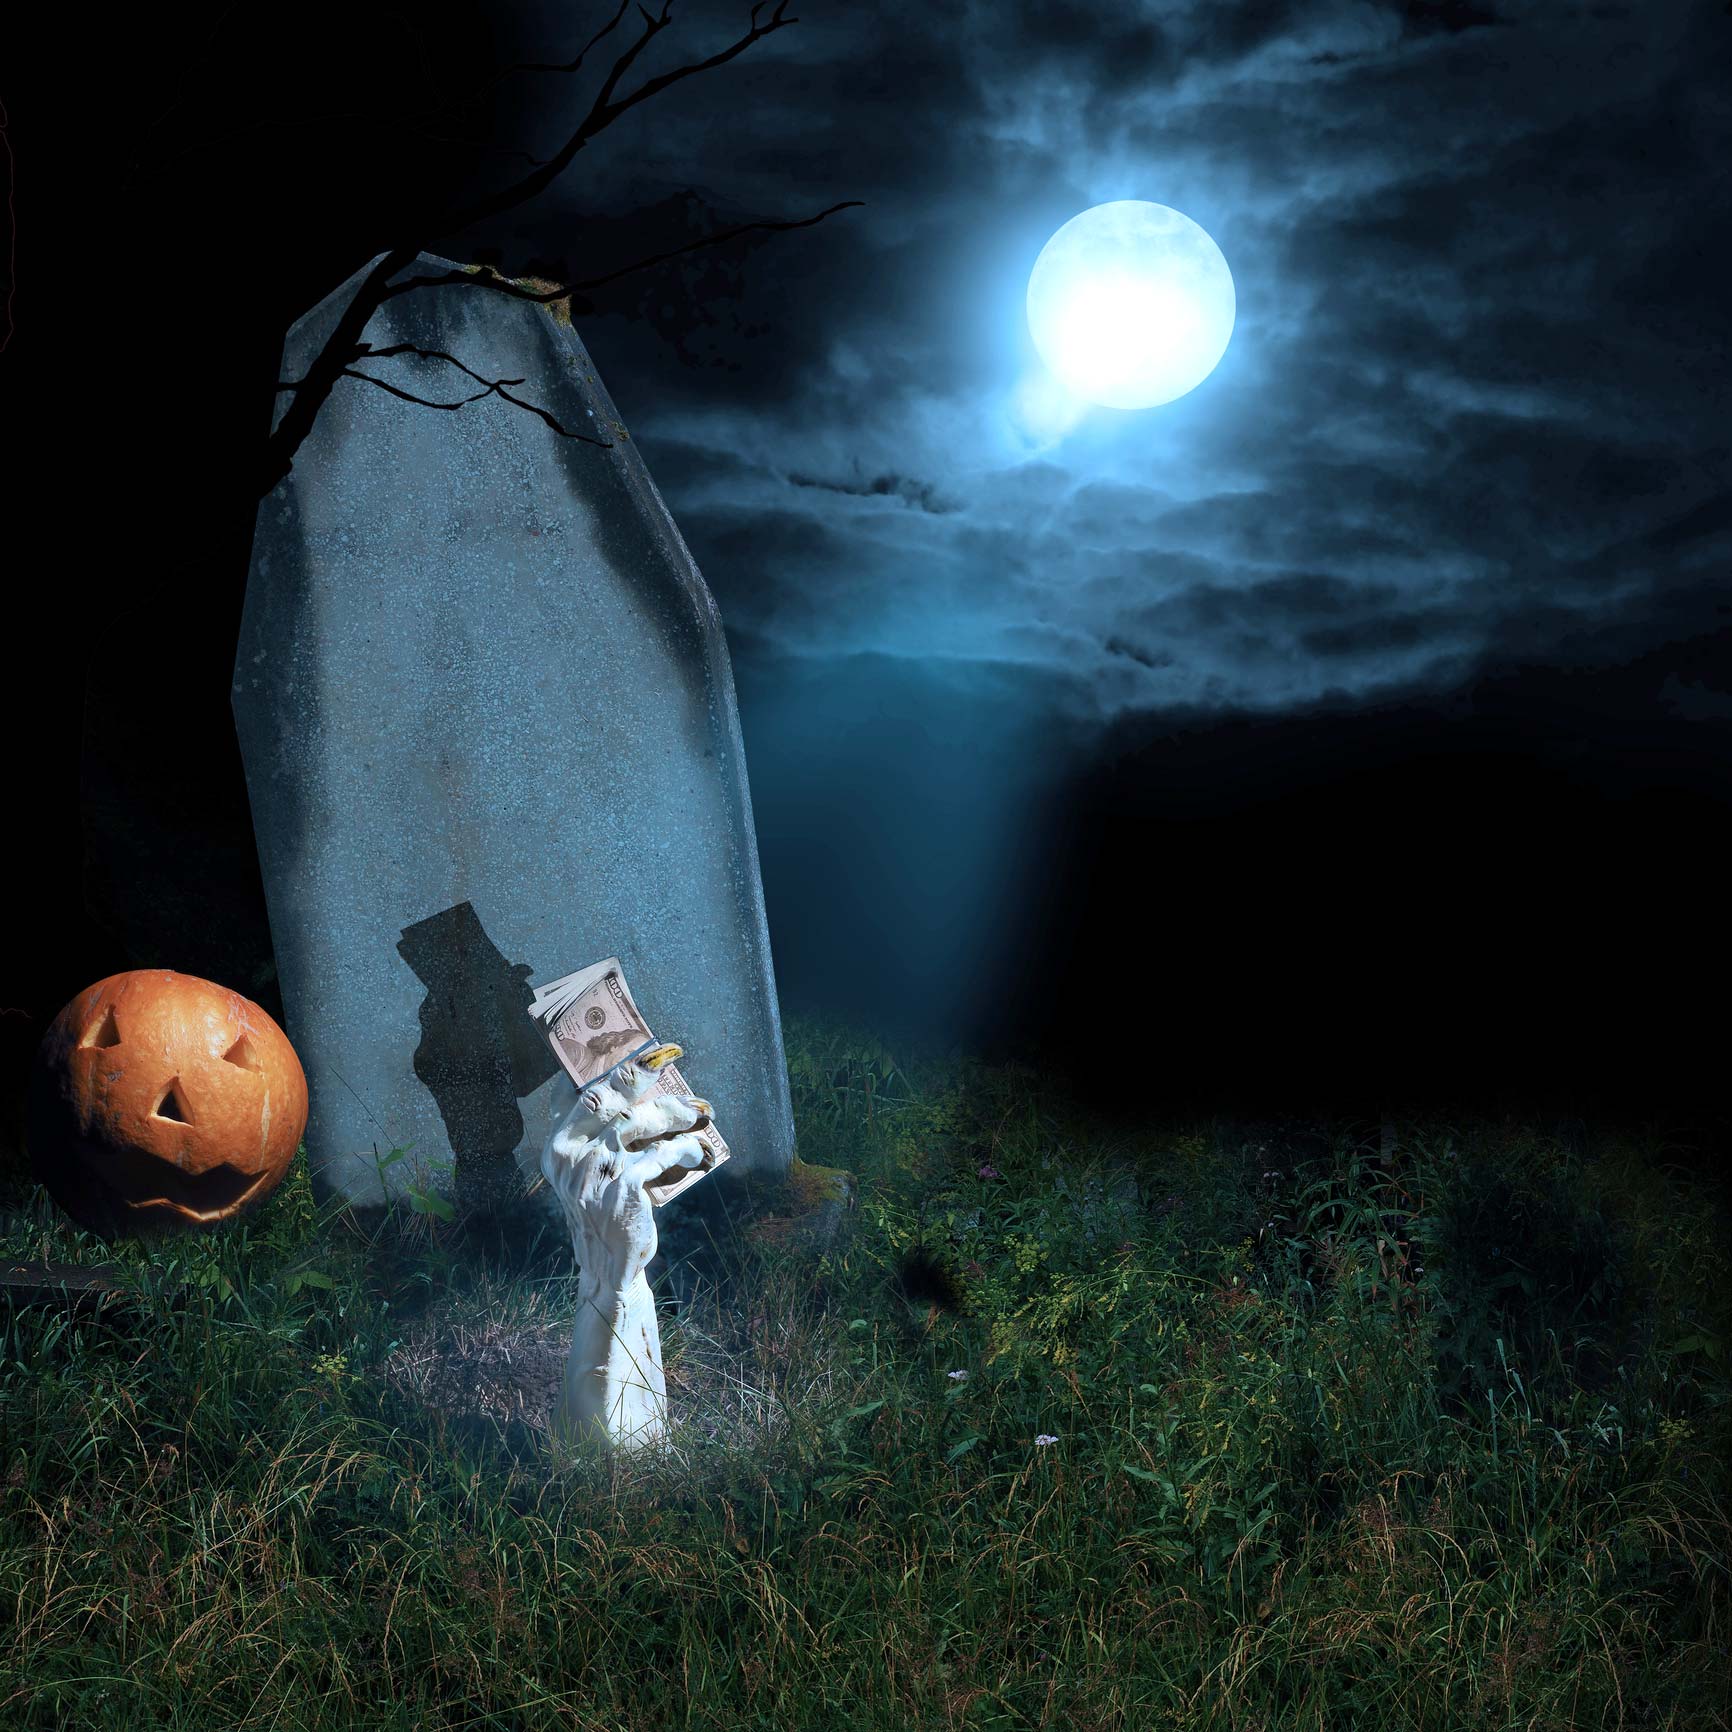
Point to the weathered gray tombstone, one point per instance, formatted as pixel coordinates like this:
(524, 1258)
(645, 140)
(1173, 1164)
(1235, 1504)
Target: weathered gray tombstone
(490, 736)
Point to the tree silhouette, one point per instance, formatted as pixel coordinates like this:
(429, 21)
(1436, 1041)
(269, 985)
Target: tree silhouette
(346, 347)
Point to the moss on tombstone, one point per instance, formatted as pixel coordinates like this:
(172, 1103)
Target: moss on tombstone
(560, 309)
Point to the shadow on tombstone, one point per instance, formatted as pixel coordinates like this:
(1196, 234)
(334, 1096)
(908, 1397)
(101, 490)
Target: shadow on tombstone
(479, 1053)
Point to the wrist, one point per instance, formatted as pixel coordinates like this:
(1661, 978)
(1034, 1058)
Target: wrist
(608, 1289)
(613, 1376)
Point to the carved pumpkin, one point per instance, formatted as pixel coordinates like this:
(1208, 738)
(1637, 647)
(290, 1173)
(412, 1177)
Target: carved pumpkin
(162, 1101)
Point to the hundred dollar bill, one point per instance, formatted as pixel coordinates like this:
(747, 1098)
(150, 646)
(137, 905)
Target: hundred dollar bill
(592, 1021)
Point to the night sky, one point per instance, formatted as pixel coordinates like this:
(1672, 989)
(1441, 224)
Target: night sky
(1354, 728)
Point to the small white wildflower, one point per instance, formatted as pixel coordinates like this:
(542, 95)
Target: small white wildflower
(957, 1376)
(1043, 1438)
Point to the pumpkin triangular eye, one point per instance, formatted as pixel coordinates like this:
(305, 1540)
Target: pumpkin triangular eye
(242, 1053)
(171, 1106)
(105, 1033)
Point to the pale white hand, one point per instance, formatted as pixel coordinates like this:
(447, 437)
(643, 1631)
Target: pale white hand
(600, 1178)
(598, 1162)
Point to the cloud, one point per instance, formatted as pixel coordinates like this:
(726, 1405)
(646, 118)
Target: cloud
(920, 494)
(1475, 400)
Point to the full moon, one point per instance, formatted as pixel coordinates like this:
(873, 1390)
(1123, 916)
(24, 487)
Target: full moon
(1131, 304)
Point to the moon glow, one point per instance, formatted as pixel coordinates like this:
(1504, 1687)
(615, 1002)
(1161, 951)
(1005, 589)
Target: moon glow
(1131, 304)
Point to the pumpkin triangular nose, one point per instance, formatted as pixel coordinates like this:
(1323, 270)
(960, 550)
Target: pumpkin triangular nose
(171, 1106)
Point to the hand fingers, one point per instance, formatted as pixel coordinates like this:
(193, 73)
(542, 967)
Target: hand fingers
(603, 1101)
(571, 1142)
(682, 1151)
(658, 1116)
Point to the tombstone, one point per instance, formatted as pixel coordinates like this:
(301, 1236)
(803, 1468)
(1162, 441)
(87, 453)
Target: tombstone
(490, 736)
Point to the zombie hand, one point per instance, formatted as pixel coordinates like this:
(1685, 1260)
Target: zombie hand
(616, 1139)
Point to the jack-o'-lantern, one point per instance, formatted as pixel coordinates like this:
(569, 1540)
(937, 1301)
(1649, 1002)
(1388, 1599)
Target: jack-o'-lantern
(161, 1101)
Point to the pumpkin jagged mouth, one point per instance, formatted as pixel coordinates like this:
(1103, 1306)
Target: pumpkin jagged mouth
(136, 1181)
(192, 1214)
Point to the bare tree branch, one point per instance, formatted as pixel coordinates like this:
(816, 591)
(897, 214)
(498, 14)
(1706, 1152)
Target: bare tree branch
(778, 21)
(577, 64)
(368, 352)
(345, 346)
(653, 25)
(342, 347)
(569, 66)
(410, 397)
(604, 110)
(493, 387)
(505, 286)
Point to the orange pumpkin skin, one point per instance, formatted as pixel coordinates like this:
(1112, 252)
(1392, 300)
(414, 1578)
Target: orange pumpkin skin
(160, 1101)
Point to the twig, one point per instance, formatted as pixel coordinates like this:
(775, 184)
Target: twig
(504, 285)
(604, 110)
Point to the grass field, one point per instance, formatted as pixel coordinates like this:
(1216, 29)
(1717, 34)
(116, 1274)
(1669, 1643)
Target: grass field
(1277, 1426)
